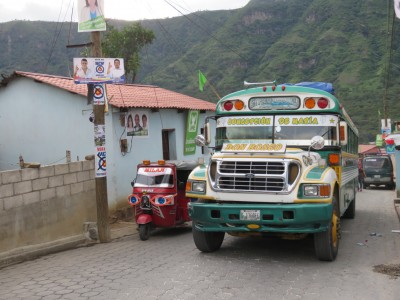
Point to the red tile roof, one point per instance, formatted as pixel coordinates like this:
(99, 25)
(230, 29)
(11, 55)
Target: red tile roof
(124, 95)
(363, 149)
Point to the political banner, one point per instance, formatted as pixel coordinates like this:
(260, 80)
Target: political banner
(100, 162)
(99, 94)
(390, 149)
(379, 140)
(137, 123)
(397, 8)
(98, 70)
(91, 15)
(191, 132)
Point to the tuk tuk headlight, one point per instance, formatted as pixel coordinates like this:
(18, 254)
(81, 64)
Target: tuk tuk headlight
(199, 186)
(162, 200)
(133, 199)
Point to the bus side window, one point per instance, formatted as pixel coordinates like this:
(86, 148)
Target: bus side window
(343, 133)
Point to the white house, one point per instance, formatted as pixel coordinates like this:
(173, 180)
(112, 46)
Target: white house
(44, 116)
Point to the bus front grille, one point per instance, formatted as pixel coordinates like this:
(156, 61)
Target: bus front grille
(253, 176)
(251, 184)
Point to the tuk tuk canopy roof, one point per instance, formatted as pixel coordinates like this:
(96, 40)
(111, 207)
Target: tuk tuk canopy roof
(183, 164)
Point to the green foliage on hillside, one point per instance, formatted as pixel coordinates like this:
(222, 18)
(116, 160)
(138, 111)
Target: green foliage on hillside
(127, 43)
(339, 41)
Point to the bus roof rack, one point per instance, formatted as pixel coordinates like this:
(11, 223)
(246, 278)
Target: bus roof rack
(268, 83)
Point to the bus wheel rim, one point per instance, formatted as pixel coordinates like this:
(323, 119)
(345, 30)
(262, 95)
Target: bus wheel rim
(334, 229)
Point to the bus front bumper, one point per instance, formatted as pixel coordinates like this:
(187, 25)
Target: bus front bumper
(272, 218)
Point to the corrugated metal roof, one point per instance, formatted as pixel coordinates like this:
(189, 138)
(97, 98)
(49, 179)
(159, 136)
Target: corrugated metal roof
(124, 95)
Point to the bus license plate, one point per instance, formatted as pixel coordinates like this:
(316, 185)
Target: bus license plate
(250, 215)
(377, 176)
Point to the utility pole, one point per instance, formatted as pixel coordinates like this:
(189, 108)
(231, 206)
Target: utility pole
(101, 182)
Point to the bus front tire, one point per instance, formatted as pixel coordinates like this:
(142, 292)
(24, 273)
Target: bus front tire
(326, 243)
(207, 241)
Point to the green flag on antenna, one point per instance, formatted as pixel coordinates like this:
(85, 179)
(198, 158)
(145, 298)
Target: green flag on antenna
(202, 81)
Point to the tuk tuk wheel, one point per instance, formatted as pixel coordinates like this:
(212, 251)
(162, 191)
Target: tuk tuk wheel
(144, 231)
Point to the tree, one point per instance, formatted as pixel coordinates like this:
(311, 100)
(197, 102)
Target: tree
(127, 44)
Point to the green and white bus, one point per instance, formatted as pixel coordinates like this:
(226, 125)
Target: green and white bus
(284, 163)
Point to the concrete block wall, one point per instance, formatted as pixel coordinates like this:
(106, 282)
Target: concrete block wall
(42, 205)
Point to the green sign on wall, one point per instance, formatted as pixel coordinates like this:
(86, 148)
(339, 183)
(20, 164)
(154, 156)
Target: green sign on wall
(192, 126)
(379, 140)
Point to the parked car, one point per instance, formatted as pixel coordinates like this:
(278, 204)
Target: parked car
(378, 170)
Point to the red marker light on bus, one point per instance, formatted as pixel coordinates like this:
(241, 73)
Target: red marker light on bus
(273, 87)
(228, 105)
(323, 103)
(264, 88)
(283, 87)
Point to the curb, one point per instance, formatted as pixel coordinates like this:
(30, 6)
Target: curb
(31, 252)
(19, 255)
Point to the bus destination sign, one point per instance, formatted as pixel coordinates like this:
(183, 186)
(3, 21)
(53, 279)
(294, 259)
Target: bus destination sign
(273, 103)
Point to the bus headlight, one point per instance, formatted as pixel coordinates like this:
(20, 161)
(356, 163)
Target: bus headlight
(311, 190)
(199, 186)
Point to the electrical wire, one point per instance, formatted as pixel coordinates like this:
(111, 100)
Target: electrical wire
(171, 40)
(188, 68)
(206, 31)
(6, 163)
(209, 96)
(120, 139)
(70, 71)
(70, 24)
(57, 33)
(52, 163)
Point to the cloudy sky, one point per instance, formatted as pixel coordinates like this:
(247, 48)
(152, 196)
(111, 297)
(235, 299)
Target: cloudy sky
(61, 10)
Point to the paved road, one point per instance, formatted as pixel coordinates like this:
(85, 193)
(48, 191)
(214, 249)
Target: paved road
(168, 266)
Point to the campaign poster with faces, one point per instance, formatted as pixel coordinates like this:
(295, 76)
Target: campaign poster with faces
(137, 123)
(91, 15)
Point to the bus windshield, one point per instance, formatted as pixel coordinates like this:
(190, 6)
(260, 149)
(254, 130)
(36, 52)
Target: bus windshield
(292, 130)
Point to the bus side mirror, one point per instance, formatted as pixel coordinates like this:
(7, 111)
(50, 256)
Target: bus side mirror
(207, 133)
(343, 133)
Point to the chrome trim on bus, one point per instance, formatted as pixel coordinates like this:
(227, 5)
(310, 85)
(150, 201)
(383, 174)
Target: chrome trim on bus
(254, 176)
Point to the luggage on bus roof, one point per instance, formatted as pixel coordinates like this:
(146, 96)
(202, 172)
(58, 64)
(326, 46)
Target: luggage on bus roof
(325, 86)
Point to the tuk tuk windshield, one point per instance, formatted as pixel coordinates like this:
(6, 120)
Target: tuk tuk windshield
(154, 177)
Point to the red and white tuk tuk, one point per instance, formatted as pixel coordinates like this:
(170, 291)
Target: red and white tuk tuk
(158, 194)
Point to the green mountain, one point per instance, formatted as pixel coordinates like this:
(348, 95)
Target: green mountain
(339, 41)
